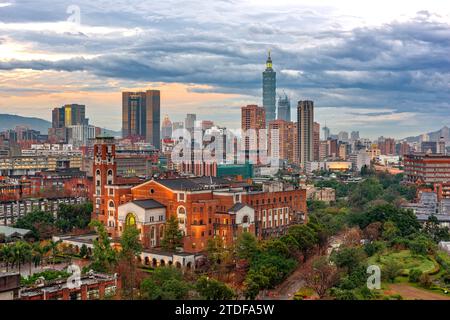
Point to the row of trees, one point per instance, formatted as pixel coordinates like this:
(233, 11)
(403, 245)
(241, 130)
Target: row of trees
(20, 253)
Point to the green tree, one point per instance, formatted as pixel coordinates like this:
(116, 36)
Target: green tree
(20, 252)
(246, 246)
(173, 236)
(349, 258)
(6, 255)
(391, 270)
(254, 283)
(71, 217)
(435, 231)
(38, 252)
(53, 247)
(414, 275)
(165, 283)
(84, 251)
(306, 238)
(211, 289)
(127, 264)
(422, 245)
(103, 255)
(39, 222)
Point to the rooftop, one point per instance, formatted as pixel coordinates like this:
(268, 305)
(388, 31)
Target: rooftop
(148, 204)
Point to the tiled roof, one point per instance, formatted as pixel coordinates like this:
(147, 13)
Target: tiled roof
(238, 206)
(193, 184)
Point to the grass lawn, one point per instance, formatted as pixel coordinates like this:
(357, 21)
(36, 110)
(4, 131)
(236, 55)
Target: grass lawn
(406, 259)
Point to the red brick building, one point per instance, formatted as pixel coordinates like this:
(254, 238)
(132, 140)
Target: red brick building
(204, 206)
(92, 287)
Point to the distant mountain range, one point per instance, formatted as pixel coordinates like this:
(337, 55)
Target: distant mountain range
(10, 121)
(433, 136)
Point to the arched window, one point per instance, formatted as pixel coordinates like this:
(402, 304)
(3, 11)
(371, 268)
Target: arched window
(152, 233)
(245, 219)
(111, 204)
(181, 210)
(97, 172)
(130, 220)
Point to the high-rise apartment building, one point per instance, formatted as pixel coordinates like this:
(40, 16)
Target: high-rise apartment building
(141, 116)
(269, 90)
(281, 140)
(386, 146)
(253, 117)
(284, 108)
(305, 123)
(316, 141)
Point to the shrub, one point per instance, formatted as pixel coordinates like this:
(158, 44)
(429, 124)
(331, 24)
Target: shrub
(391, 270)
(425, 281)
(414, 275)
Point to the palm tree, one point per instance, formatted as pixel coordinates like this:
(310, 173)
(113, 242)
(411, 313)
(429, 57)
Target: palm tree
(5, 255)
(38, 252)
(20, 253)
(53, 246)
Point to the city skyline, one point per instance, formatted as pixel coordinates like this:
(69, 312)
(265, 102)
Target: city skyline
(377, 72)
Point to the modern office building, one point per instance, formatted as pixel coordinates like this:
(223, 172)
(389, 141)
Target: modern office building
(269, 90)
(305, 123)
(141, 116)
(326, 133)
(69, 115)
(284, 108)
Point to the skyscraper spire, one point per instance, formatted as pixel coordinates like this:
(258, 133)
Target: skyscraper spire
(269, 90)
(269, 62)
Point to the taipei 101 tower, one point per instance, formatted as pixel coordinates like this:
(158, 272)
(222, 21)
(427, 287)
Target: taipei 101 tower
(269, 91)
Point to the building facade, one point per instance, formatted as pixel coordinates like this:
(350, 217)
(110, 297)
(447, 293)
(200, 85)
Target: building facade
(205, 207)
(141, 116)
(305, 129)
(253, 118)
(284, 108)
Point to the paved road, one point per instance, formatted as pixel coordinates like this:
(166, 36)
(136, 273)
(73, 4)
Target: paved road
(411, 293)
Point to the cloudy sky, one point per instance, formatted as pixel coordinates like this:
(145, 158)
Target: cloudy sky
(380, 67)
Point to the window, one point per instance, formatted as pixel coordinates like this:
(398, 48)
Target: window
(93, 294)
(245, 219)
(131, 219)
(110, 291)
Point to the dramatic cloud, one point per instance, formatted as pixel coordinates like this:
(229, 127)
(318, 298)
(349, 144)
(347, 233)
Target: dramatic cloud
(358, 56)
